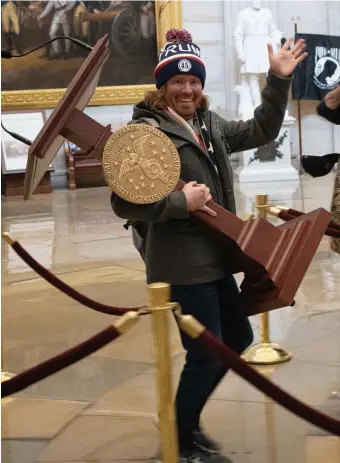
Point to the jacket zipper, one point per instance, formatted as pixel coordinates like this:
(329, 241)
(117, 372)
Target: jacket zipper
(216, 177)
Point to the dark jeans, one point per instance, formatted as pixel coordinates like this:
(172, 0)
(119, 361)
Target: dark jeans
(212, 305)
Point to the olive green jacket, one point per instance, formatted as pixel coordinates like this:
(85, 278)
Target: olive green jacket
(180, 251)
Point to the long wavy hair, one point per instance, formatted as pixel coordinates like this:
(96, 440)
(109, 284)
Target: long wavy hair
(156, 100)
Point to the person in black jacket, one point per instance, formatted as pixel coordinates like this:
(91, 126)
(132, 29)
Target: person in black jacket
(329, 108)
(318, 166)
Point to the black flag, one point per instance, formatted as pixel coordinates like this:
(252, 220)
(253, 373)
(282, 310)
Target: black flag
(320, 71)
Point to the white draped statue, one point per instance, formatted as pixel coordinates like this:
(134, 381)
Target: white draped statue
(254, 30)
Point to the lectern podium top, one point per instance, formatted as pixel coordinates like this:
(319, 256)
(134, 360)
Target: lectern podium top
(79, 93)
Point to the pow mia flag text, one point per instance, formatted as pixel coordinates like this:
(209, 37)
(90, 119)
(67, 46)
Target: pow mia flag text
(320, 71)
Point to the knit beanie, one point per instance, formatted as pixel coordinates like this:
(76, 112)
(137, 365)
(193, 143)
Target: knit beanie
(179, 56)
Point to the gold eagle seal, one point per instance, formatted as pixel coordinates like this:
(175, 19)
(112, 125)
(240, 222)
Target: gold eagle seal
(141, 164)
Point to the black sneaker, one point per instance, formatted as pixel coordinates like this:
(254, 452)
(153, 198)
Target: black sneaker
(195, 455)
(205, 443)
(201, 440)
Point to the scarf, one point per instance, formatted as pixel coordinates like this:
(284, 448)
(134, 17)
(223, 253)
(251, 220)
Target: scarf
(199, 132)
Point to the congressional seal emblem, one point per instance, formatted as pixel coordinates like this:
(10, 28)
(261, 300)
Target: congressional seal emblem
(141, 164)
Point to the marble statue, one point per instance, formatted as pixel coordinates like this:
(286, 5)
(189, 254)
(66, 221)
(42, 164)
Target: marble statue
(255, 28)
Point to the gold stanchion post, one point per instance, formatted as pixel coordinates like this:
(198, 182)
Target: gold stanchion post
(159, 296)
(265, 352)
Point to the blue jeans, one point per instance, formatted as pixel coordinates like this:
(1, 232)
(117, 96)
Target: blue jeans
(212, 304)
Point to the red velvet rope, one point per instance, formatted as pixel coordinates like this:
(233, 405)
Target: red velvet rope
(230, 359)
(330, 231)
(296, 213)
(84, 349)
(66, 289)
(59, 362)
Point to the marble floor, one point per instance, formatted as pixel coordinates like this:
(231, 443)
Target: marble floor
(101, 409)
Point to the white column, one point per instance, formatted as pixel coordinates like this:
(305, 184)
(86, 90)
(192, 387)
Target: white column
(230, 11)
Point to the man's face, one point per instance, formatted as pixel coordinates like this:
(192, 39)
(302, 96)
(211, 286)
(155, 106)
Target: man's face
(183, 93)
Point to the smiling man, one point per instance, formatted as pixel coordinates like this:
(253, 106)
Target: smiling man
(178, 250)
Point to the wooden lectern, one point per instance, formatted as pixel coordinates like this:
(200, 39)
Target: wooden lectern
(273, 259)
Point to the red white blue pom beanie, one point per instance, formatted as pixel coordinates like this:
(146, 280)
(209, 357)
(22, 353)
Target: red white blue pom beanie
(179, 56)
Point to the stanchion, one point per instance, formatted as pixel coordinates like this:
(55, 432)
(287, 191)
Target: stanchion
(159, 295)
(265, 352)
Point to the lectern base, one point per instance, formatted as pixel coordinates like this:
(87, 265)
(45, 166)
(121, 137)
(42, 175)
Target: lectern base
(264, 353)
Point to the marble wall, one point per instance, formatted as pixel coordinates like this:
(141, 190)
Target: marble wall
(211, 23)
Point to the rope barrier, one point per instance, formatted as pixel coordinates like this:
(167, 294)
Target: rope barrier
(187, 323)
(285, 214)
(68, 357)
(65, 288)
(296, 213)
(197, 331)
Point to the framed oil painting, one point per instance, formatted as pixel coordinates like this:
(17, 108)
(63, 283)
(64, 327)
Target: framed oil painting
(136, 30)
(13, 152)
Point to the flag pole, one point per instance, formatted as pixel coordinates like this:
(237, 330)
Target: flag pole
(296, 20)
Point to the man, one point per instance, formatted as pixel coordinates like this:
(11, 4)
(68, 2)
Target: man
(11, 25)
(145, 11)
(178, 250)
(61, 20)
(80, 27)
(83, 29)
(329, 108)
(148, 27)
